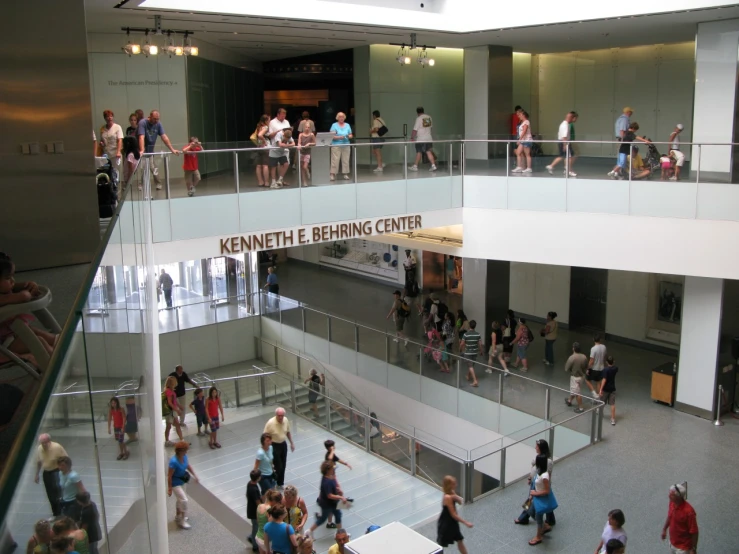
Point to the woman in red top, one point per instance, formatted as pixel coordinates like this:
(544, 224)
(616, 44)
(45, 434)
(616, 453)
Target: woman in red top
(190, 165)
(212, 406)
(117, 415)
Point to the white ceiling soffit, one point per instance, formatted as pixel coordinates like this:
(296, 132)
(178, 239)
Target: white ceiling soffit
(457, 16)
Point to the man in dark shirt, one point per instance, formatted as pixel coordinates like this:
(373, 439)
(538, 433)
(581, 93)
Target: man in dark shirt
(88, 519)
(624, 150)
(253, 500)
(608, 387)
(166, 283)
(182, 378)
(329, 496)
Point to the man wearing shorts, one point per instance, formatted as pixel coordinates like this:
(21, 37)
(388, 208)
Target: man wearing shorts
(675, 152)
(399, 312)
(471, 345)
(422, 136)
(576, 365)
(594, 373)
(608, 387)
(279, 157)
(564, 135)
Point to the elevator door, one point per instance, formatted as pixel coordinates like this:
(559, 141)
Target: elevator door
(588, 294)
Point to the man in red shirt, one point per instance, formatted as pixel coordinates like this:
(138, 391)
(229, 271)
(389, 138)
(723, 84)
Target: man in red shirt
(682, 523)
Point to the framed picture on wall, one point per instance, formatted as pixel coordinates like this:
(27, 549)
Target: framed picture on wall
(670, 302)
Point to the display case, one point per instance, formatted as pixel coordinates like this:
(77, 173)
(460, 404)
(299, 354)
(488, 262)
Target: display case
(394, 537)
(363, 257)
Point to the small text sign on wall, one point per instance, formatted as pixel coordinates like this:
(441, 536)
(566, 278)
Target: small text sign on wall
(318, 233)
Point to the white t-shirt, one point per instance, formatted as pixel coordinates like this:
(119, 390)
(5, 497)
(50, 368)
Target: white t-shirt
(539, 483)
(598, 353)
(277, 151)
(423, 127)
(676, 142)
(277, 125)
(524, 131)
(564, 131)
(409, 262)
(611, 533)
(434, 312)
(110, 138)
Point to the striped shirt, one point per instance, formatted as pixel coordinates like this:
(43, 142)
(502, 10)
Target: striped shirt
(472, 342)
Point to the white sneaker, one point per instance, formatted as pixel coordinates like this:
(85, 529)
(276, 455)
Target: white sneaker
(572, 174)
(379, 169)
(673, 178)
(405, 344)
(332, 178)
(168, 444)
(412, 168)
(159, 187)
(184, 525)
(273, 183)
(549, 169)
(517, 170)
(613, 422)
(611, 173)
(395, 339)
(276, 185)
(595, 394)
(527, 170)
(190, 192)
(433, 167)
(346, 177)
(488, 370)
(279, 181)
(384, 166)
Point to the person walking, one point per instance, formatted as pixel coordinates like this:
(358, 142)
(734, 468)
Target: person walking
(180, 472)
(47, 456)
(182, 378)
(190, 165)
(213, 405)
(279, 537)
(509, 332)
(594, 373)
(198, 408)
(279, 429)
(521, 341)
(622, 123)
(496, 348)
(271, 498)
(297, 510)
(400, 311)
(607, 391)
(329, 497)
(71, 484)
(576, 365)
(314, 383)
(542, 499)
(378, 126)
(272, 285)
(565, 136)
(117, 415)
(525, 142)
(111, 141)
(614, 529)
(421, 135)
(549, 332)
(471, 345)
(542, 449)
(340, 150)
(171, 410)
(253, 500)
(681, 522)
(88, 520)
(675, 152)
(265, 463)
(165, 283)
(148, 131)
(448, 334)
(447, 526)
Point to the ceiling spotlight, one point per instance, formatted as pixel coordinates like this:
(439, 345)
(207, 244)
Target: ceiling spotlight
(424, 60)
(149, 48)
(189, 49)
(171, 48)
(403, 57)
(432, 62)
(130, 48)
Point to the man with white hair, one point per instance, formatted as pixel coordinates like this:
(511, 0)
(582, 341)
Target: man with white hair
(279, 428)
(674, 141)
(681, 523)
(47, 459)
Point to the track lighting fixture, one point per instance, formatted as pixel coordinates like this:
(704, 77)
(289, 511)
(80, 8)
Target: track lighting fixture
(131, 48)
(189, 49)
(149, 48)
(173, 50)
(168, 47)
(404, 53)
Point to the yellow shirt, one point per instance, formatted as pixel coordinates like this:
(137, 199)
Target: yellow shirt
(334, 549)
(637, 164)
(48, 458)
(278, 431)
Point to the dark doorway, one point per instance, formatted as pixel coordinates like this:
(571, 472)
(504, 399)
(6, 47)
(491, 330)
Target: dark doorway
(588, 294)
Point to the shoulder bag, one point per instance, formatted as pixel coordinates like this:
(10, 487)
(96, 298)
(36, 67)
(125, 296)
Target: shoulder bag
(383, 130)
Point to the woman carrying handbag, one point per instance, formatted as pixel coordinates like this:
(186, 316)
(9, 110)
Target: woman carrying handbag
(542, 448)
(542, 499)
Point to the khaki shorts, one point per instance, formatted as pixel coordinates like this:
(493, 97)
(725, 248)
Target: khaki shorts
(496, 351)
(609, 398)
(575, 383)
(172, 418)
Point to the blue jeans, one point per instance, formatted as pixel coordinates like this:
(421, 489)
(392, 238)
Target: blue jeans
(267, 482)
(549, 351)
(327, 511)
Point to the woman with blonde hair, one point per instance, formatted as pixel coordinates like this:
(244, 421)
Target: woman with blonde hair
(178, 475)
(261, 140)
(272, 497)
(171, 410)
(340, 146)
(297, 510)
(305, 545)
(41, 538)
(447, 528)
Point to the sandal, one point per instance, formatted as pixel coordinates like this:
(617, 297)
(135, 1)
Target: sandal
(212, 446)
(120, 457)
(475, 384)
(126, 455)
(217, 444)
(535, 541)
(545, 531)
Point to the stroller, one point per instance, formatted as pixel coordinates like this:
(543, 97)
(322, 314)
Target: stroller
(651, 161)
(106, 188)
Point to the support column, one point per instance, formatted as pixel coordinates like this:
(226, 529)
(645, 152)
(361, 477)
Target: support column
(488, 97)
(714, 105)
(486, 292)
(699, 345)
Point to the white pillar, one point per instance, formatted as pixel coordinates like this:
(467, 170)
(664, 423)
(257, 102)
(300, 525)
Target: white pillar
(717, 43)
(699, 345)
(476, 101)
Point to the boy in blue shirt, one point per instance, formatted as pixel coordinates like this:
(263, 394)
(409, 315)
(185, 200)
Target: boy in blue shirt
(198, 408)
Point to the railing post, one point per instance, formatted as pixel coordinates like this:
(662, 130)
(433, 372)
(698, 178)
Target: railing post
(387, 349)
(459, 370)
(263, 390)
(507, 157)
(599, 426)
(328, 324)
(547, 406)
(166, 175)
(551, 442)
(413, 455)
(293, 402)
(593, 425)
(405, 161)
(356, 178)
(451, 157)
(502, 467)
(327, 401)
(238, 395)
(279, 312)
(500, 397)
(698, 171)
(356, 338)
(467, 482)
(236, 170)
(420, 361)
(719, 401)
(367, 430)
(302, 317)
(297, 165)
(274, 347)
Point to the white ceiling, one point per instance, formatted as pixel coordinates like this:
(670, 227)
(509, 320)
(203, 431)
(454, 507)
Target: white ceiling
(264, 39)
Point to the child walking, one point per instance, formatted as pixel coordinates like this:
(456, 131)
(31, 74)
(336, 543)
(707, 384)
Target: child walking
(306, 139)
(253, 500)
(212, 406)
(332, 457)
(117, 415)
(198, 408)
(190, 165)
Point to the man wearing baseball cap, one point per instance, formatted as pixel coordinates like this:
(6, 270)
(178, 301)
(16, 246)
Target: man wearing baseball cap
(622, 123)
(674, 141)
(681, 522)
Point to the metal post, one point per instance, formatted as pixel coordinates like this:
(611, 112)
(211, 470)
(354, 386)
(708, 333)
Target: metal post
(698, 171)
(293, 403)
(467, 482)
(462, 160)
(356, 179)
(297, 164)
(599, 426)
(302, 318)
(263, 390)
(327, 402)
(631, 146)
(166, 175)
(238, 395)
(719, 401)
(413, 455)
(405, 161)
(502, 467)
(236, 170)
(279, 312)
(328, 322)
(507, 158)
(593, 425)
(500, 397)
(459, 370)
(274, 347)
(551, 442)
(451, 158)
(356, 338)
(420, 361)
(367, 429)
(547, 406)
(387, 349)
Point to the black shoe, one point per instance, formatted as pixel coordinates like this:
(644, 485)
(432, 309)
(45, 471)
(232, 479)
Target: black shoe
(330, 526)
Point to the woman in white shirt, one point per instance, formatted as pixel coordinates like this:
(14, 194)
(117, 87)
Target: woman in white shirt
(542, 499)
(525, 142)
(614, 529)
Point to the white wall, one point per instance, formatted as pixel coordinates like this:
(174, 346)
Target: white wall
(522, 83)
(715, 92)
(476, 101)
(536, 289)
(699, 342)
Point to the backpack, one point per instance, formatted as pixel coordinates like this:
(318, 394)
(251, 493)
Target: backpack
(166, 410)
(443, 309)
(404, 310)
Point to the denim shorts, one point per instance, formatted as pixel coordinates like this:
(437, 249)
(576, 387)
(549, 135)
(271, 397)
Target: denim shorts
(527, 144)
(621, 160)
(521, 351)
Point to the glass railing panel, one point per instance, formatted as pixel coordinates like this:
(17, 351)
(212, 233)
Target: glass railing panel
(291, 313)
(389, 156)
(191, 315)
(316, 323)
(270, 305)
(343, 333)
(573, 431)
(522, 397)
(432, 464)
(486, 475)
(347, 422)
(391, 445)
(373, 343)
(483, 158)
